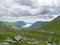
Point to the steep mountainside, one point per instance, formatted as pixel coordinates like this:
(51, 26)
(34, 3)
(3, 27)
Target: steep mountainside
(38, 24)
(54, 25)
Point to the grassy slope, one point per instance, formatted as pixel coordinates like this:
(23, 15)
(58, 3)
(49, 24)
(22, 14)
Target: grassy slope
(37, 25)
(4, 33)
(7, 25)
(36, 34)
(53, 26)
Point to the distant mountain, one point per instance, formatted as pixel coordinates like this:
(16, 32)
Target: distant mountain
(19, 24)
(6, 25)
(54, 25)
(38, 25)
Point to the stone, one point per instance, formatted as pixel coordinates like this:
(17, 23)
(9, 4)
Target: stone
(29, 35)
(22, 41)
(4, 43)
(10, 41)
(42, 31)
(51, 32)
(34, 39)
(24, 38)
(48, 43)
(21, 33)
(36, 42)
(17, 38)
(29, 42)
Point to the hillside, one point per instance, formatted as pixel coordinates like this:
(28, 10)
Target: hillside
(28, 37)
(37, 25)
(6, 25)
(25, 37)
(10, 36)
(18, 24)
(54, 25)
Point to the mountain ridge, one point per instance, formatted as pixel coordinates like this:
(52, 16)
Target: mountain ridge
(18, 24)
(7, 25)
(54, 25)
(38, 25)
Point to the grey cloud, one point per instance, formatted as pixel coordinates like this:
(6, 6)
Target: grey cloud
(56, 11)
(20, 13)
(46, 16)
(3, 11)
(24, 2)
(4, 8)
(42, 10)
(30, 3)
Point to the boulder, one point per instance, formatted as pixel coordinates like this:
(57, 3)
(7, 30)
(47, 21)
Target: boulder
(5, 43)
(17, 38)
(51, 32)
(10, 41)
(36, 42)
(22, 41)
(48, 43)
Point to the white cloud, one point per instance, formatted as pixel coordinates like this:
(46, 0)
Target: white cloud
(29, 10)
(27, 18)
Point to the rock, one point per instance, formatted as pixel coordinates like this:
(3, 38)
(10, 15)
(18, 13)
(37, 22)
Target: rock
(10, 41)
(51, 32)
(54, 43)
(17, 38)
(48, 43)
(34, 39)
(21, 33)
(29, 42)
(36, 42)
(42, 31)
(22, 41)
(49, 40)
(24, 38)
(29, 35)
(4, 43)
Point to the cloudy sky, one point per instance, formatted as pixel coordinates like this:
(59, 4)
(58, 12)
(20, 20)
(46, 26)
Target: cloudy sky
(29, 10)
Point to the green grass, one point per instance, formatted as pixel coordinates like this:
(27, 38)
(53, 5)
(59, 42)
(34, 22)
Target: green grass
(35, 33)
(53, 26)
(11, 31)
(7, 25)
